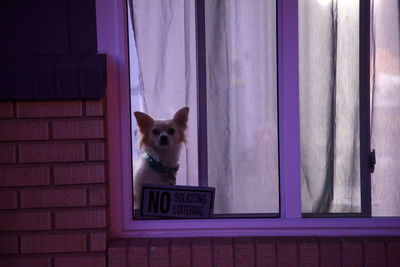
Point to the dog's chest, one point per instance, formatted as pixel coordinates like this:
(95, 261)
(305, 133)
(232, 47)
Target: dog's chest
(143, 173)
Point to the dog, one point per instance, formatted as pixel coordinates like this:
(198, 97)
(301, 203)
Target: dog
(160, 143)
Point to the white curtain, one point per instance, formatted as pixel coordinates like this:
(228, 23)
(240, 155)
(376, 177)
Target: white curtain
(242, 105)
(385, 103)
(241, 92)
(329, 105)
(163, 64)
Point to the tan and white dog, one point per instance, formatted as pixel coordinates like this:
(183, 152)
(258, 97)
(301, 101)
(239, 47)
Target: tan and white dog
(160, 142)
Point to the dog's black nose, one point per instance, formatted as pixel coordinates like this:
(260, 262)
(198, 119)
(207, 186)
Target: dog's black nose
(164, 140)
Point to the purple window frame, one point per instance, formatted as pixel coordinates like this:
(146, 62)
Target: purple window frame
(112, 40)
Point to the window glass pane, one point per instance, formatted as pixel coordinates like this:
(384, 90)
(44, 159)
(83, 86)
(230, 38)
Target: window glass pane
(242, 105)
(241, 93)
(329, 105)
(162, 51)
(385, 106)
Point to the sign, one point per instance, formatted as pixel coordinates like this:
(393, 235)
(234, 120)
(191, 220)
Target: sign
(177, 201)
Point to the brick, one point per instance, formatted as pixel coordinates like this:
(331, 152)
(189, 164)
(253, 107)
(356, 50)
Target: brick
(180, 252)
(24, 262)
(24, 176)
(286, 251)
(117, 253)
(330, 251)
(52, 243)
(374, 251)
(8, 200)
(223, 251)
(98, 241)
(159, 252)
(8, 153)
(23, 130)
(265, 250)
(48, 109)
(80, 261)
(6, 109)
(96, 151)
(308, 251)
(138, 252)
(393, 251)
(80, 219)
(78, 129)
(244, 251)
(97, 196)
(352, 250)
(43, 198)
(24, 220)
(86, 174)
(94, 108)
(8, 244)
(51, 152)
(202, 251)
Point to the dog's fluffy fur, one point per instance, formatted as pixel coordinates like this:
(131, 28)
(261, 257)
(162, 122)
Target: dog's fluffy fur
(162, 140)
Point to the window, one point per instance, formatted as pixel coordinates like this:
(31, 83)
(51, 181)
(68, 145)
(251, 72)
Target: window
(112, 24)
(236, 119)
(329, 53)
(334, 43)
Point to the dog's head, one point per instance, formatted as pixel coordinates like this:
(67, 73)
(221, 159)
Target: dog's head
(162, 134)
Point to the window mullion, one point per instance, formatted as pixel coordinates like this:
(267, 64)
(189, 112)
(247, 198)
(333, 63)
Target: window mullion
(364, 84)
(289, 110)
(201, 92)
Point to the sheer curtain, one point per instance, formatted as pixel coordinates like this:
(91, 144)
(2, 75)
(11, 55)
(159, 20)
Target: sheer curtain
(241, 94)
(242, 105)
(163, 68)
(329, 105)
(385, 103)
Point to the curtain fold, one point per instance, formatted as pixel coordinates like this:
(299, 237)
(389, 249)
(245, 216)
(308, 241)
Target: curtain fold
(242, 105)
(329, 106)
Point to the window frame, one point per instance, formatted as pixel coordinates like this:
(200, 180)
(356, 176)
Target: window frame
(112, 40)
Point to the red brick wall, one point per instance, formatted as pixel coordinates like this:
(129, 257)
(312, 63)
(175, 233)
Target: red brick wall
(52, 184)
(256, 251)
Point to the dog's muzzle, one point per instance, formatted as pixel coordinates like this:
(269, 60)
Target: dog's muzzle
(164, 141)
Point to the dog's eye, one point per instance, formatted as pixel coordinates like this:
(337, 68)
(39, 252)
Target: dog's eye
(171, 131)
(156, 132)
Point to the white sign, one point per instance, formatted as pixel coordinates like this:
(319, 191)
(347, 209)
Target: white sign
(177, 201)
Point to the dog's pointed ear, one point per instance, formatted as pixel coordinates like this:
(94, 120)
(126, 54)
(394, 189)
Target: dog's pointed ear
(143, 120)
(181, 117)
